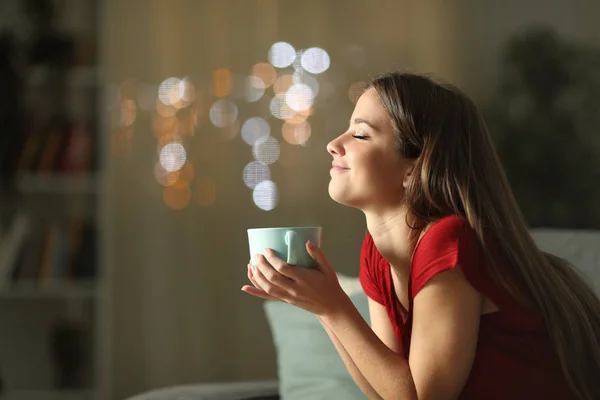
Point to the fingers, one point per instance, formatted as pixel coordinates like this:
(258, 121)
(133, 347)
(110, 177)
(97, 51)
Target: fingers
(317, 254)
(274, 268)
(269, 280)
(257, 292)
(279, 265)
(251, 277)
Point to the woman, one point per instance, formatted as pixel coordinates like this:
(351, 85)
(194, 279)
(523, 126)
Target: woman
(462, 303)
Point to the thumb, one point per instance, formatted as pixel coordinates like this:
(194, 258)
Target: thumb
(317, 254)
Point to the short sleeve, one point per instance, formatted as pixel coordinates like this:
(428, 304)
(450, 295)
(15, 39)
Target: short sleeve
(446, 244)
(369, 275)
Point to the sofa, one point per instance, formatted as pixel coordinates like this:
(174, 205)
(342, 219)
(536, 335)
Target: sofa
(308, 364)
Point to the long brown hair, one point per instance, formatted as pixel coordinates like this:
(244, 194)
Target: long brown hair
(457, 172)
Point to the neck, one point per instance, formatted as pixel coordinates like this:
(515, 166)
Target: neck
(393, 237)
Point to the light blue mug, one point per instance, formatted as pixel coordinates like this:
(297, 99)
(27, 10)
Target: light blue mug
(289, 244)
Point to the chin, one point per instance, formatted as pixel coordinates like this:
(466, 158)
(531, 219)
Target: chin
(339, 195)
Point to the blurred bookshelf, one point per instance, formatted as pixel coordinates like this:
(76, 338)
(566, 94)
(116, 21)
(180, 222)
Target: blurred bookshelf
(31, 183)
(50, 395)
(50, 159)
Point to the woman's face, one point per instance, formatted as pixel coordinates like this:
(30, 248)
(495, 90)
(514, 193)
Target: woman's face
(368, 172)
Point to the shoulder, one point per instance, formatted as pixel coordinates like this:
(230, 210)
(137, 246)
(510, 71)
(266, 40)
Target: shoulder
(450, 233)
(452, 226)
(445, 244)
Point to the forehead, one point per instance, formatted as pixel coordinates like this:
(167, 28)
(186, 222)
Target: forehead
(370, 107)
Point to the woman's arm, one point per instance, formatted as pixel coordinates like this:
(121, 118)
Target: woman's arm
(446, 314)
(386, 371)
(355, 373)
(380, 324)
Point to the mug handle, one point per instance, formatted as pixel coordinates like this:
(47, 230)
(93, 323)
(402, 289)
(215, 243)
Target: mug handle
(291, 239)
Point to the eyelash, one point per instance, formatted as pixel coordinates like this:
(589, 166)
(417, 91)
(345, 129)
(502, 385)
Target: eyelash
(360, 136)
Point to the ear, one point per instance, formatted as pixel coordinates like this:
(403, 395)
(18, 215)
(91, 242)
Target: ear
(408, 171)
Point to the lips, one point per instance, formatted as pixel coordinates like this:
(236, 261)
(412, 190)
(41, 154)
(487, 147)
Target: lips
(336, 168)
(335, 165)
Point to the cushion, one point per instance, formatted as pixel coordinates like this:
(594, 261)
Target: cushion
(309, 366)
(236, 390)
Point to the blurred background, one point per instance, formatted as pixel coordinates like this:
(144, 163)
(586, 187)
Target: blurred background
(140, 139)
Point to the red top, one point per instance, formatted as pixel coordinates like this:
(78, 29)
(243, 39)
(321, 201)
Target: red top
(515, 358)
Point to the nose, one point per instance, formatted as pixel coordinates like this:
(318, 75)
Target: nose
(335, 147)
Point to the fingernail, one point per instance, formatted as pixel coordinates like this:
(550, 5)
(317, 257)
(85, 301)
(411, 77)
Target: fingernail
(311, 244)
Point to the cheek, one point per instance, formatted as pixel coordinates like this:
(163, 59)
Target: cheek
(384, 173)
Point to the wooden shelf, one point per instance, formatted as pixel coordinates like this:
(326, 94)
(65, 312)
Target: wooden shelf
(50, 290)
(48, 394)
(77, 77)
(31, 183)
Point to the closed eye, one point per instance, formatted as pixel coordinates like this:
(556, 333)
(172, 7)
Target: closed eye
(360, 134)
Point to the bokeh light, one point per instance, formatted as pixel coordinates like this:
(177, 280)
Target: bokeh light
(186, 173)
(128, 112)
(265, 72)
(297, 134)
(254, 88)
(283, 83)
(164, 125)
(256, 172)
(315, 60)
(282, 54)
(295, 90)
(302, 132)
(299, 97)
(265, 195)
(172, 156)
(177, 196)
(167, 138)
(205, 191)
(223, 113)
(168, 91)
(279, 108)
(255, 129)
(297, 64)
(222, 82)
(166, 110)
(163, 176)
(187, 90)
(307, 79)
(355, 91)
(266, 150)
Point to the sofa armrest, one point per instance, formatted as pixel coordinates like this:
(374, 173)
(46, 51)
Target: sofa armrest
(236, 390)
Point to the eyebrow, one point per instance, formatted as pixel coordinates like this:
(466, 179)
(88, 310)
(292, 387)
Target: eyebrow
(364, 121)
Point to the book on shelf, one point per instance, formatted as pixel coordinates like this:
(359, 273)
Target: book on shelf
(58, 253)
(62, 146)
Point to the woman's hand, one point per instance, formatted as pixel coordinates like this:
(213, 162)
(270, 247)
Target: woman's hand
(316, 290)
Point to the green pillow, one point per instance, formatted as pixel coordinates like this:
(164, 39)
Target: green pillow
(309, 366)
